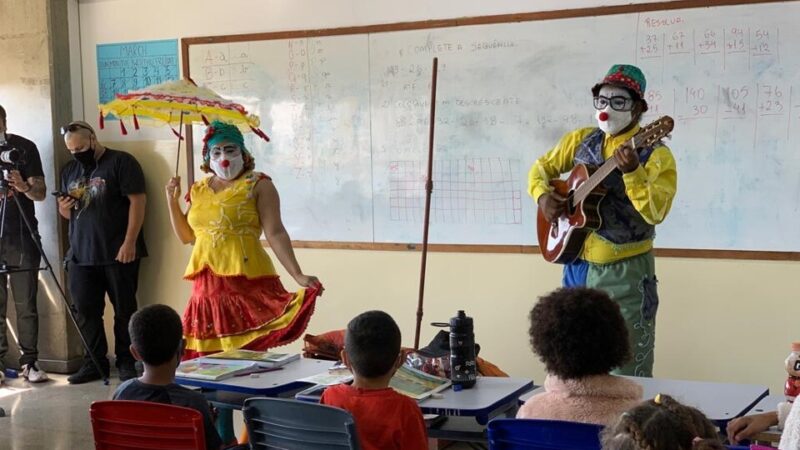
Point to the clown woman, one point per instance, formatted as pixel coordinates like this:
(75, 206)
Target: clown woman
(237, 300)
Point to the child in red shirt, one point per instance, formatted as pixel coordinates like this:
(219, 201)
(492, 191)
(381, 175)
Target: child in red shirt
(385, 420)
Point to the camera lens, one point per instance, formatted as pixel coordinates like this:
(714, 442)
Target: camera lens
(10, 156)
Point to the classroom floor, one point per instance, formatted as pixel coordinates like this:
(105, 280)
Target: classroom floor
(55, 415)
(51, 415)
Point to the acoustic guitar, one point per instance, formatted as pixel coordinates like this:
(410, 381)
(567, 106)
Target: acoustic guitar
(562, 240)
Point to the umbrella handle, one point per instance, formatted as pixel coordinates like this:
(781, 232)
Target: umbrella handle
(180, 138)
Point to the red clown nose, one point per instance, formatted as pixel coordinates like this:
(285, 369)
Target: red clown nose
(603, 116)
(225, 163)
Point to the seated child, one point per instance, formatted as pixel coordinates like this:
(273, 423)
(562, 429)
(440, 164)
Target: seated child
(385, 419)
(662, 424)
(580, 336)
(157, 341)
(786, 418)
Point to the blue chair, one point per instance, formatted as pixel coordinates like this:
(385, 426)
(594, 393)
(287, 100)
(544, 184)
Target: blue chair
(534, 434)
(293, 425)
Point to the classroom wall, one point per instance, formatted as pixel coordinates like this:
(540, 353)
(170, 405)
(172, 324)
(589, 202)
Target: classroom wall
(719, 319)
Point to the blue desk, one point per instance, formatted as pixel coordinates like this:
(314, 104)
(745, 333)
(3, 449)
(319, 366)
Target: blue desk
(720, 402)
(468, 411)
(230, 394)
(267, 384)
(767, 404)
(490, 397)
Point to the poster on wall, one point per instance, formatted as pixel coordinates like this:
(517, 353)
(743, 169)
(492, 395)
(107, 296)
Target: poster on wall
(127, 66)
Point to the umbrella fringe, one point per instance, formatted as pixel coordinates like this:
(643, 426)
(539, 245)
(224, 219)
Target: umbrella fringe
(135, 122)
(205, 120)
(260, 133)
(122, 128)
(178, 135)
(102, 121)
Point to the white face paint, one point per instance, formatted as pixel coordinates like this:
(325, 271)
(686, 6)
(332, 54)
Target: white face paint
(610, 120)
(226, 161)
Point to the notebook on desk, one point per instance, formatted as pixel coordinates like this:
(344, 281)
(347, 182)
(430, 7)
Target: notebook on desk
(263, 359)
(407, 381)
(211, 371)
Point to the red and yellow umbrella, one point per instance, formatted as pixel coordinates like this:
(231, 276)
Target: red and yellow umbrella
(177, 103)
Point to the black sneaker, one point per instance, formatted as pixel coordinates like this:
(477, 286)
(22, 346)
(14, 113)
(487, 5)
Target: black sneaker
(88, 372)
(127, 371)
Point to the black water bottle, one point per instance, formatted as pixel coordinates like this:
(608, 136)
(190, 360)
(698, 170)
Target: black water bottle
(463, 369)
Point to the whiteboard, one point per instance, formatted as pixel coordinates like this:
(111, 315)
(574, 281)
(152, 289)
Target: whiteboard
(348, 116)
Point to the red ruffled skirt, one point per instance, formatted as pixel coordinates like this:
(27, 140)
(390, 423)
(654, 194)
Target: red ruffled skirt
(227, 313)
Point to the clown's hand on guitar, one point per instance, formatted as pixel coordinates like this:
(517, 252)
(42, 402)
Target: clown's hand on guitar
(552, 205)
(627, 158)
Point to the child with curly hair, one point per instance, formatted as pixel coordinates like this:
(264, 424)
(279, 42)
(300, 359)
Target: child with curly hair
(580, 336)
(662, 424)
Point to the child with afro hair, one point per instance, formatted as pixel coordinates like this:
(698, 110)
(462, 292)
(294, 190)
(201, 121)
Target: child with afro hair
(580, 336)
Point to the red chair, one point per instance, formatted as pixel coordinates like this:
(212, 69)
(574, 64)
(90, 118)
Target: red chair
(126, 424)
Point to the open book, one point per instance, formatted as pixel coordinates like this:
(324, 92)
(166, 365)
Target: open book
(203, 370)
(407, 381)
(263, 359)
(329, 378)
(417, 384)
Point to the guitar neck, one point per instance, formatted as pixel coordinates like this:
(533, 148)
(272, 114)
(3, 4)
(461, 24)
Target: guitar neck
(649, 135)
(597, 177)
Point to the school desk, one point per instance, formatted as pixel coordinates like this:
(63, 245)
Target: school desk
(720, 402)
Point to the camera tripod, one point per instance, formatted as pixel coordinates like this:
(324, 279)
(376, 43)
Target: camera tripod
(7, 269)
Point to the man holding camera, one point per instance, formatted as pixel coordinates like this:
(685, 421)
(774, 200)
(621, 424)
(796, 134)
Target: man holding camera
(24, 179)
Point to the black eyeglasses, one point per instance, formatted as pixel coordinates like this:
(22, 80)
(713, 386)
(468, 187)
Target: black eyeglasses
(73, 127)
(617, 102)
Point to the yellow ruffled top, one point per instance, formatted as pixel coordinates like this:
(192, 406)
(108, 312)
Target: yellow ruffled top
(227, 230)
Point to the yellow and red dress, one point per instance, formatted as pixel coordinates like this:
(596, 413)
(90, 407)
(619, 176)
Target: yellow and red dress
(238, 300)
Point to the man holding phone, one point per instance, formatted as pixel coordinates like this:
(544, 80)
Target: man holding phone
(103, 197)
(25, 181)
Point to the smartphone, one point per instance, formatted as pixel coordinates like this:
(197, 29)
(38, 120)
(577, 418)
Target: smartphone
(61, 194)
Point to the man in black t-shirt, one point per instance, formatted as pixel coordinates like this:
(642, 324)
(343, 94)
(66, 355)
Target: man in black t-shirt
(25, 181)
(104, 202)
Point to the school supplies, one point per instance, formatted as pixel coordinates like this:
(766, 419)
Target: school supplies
(264, 359)
(417, 384)
(201, 370)
(407, 381)
(329, 378)
(258, 371)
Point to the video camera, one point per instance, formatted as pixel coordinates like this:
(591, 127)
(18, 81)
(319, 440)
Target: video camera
(10, 158)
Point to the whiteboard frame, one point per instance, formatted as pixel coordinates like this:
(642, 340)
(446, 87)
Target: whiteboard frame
(186, 43)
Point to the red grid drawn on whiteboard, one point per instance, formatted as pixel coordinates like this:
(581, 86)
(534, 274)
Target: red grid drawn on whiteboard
(465, 191)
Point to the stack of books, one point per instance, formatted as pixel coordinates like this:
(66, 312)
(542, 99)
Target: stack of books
(220, 366)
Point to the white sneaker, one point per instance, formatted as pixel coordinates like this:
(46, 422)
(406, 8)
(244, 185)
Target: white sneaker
(33, 373)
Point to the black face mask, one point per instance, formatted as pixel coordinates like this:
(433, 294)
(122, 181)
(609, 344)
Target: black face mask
(86, 158)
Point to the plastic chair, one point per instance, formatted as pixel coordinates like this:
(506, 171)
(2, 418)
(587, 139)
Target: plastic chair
(293, 425)
(127, 424)
(534, 434)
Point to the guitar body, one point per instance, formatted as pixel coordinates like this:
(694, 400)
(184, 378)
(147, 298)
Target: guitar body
(562, 241)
